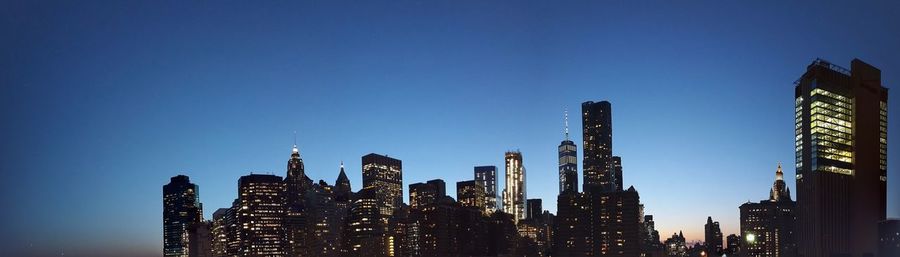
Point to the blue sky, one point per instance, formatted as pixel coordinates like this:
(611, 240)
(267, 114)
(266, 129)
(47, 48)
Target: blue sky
(102, 102)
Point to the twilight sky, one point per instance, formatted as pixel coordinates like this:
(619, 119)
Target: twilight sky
(102, 102)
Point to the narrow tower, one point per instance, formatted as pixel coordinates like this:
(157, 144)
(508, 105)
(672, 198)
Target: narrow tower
(568, 162)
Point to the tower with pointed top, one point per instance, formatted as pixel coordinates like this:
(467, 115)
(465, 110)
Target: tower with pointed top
(342, 189)
(768, 227)
(296, 184)
(568, 162)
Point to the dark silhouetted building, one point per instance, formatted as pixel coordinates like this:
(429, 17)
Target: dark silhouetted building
(470, 193)
(342, 190)
(514, 194)
(385, 175)
(734, 245)
(596, 121)
(181, 210)
(841, 161)
(617, 172)
(713, 237)
(487, 175)
(535, 209)
(426, 195)
(200, 240)
(768, 227)
(296, 184)
(650, 244)
(889, 238)
(260, 216)
(568, 163)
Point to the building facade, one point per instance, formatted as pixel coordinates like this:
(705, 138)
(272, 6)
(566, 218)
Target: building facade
(487, 175)
(181, 210)
(385, 175)
(768, 227)
(713, 238)
(596, 121)
(260, 215)
(514, 193)
(470, 193)
(841, 161)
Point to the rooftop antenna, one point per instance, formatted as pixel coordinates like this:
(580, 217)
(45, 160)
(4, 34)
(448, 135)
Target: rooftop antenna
(295, 138)
(567, 123)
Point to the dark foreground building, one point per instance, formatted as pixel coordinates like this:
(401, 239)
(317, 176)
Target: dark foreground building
(181, 211)
(889, 238)
(841, 146)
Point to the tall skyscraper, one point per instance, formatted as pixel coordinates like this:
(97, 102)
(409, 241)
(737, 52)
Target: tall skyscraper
(568, 162)
(181, 210)
(470, 193)
(260, 215)
(487, 176)
(220, 232)
(385, 175)
(597, 142)
(296, 184)
(713, 238)
(768, 227)
(841, 147)
(514, 193)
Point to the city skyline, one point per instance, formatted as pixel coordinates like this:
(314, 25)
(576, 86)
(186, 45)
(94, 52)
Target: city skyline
(707, 111)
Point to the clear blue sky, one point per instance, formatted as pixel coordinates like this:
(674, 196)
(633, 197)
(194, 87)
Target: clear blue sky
(102, 102)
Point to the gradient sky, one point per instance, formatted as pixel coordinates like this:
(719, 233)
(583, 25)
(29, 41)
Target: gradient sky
(102, 102)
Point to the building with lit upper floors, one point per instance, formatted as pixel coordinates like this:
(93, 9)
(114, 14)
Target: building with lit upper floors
(841, 159)
(385, 175)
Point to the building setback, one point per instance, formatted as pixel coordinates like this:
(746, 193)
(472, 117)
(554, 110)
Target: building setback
(181, 210)
(841, 161)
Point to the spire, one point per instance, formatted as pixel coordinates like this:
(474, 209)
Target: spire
(567, 123)
(779, 175)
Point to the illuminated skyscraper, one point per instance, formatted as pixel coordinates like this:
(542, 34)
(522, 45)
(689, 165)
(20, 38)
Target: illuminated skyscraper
(260, 215)
(181, 210)
(487, 176)
(470, 193)
(514, 193)
(768, 227)
(365, 235)
(385, 175)
(597, 137)
(841, 147)
(426, 195)
(568, 163)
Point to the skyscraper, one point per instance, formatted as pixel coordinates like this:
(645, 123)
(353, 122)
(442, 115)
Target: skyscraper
(568, 162)
(260, 215)
(470, 193)
(342, 189)
(514, 193)
(768, 227)
(597, 142)
(385, 175)
(841, 147)
(365, 230)
(426, 195)
(713, 238)
(487, 176)
(181, 210)
(296, 184)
